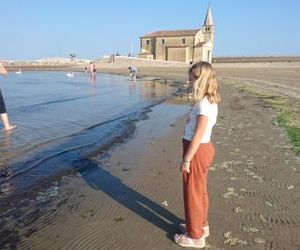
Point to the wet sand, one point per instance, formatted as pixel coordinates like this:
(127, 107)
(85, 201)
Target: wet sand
(132, 197)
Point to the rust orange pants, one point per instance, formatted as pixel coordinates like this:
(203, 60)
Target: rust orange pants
(195, 189)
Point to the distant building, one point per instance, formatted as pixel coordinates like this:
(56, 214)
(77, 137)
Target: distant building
(180, 45)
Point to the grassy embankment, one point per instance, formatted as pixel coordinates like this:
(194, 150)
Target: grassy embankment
(287, 113)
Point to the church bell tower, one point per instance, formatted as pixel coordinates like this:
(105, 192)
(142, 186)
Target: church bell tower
(208, 28)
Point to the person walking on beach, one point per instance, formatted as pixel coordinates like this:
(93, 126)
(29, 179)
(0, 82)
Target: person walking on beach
(3, 112)
(198, 155)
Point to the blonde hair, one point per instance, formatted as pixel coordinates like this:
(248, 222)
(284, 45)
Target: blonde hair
(205, 83)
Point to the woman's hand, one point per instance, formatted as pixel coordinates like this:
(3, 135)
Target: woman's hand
(185, 166)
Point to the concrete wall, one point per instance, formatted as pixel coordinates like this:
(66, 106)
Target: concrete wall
(144, 46)
(161, 49)
(150, 48)
(199, 37)
(176, 54)
(198, 54)
(145, 56)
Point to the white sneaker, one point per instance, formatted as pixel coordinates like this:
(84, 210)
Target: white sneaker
(186, 241)
(182, 228)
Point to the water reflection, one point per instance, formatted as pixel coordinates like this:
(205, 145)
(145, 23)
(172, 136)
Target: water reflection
(93, 79)
(132, 88)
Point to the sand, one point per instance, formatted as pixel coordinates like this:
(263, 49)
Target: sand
(135, 200)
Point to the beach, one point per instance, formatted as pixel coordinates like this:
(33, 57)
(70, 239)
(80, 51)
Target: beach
(130, 197)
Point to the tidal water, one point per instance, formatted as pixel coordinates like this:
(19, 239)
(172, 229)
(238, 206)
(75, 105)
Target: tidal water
(62, 120)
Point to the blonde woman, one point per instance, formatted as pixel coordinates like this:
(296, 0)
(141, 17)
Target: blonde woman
(198, 155)
(3, 113)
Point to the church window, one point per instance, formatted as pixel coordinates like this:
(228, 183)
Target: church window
(147, 42)
(163, 41)
(183, 40)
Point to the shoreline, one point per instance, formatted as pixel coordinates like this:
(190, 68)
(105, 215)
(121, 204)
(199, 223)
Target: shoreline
(122, 136)
(122, 64)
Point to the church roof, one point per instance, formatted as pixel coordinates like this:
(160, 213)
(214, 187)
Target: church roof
(208, 18)
(168, 33)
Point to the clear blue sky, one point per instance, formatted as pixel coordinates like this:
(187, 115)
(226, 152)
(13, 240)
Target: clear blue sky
(33, 29)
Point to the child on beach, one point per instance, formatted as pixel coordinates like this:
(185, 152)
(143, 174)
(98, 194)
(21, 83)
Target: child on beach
(3, 113)
(198, 155)
(132, 73)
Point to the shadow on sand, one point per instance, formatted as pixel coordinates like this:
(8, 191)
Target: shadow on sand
(102, 180)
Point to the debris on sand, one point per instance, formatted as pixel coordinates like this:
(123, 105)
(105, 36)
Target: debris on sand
(231, 192)
(262, 218)
(260, 240)
(249, 228)
(238, 210)
(119, 219)
(46, 195)
(232, 240)
(165, 203)
(269, 204)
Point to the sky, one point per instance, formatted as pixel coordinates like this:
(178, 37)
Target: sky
(33, 29)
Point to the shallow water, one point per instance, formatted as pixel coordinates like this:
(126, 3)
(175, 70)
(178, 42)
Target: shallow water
(61, 120)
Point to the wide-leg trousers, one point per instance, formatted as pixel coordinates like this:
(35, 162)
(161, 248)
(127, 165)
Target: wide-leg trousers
(195, 189)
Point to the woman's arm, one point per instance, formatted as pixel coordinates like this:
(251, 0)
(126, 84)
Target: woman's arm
(3, 70)
(195, 143)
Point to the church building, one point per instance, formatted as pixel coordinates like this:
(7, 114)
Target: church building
(180, 45)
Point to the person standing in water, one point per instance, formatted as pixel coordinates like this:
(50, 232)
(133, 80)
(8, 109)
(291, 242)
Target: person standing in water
(92, 69)
(3, 112)
(198, 155)
(132, 73)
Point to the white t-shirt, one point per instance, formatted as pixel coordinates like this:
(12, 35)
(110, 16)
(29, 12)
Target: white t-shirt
(203, 107)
